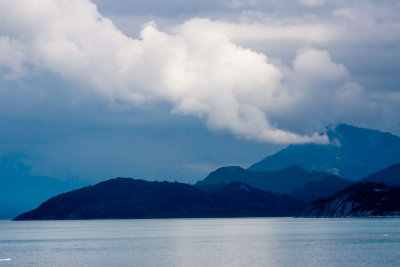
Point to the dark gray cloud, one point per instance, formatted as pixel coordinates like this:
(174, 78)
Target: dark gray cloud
(58, 132)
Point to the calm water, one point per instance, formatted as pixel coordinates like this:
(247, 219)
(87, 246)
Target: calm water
(202, 242)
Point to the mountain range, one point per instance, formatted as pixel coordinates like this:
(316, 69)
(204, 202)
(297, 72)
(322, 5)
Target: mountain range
(293, 180)
(279, 185)
(123, 198)
(281, 181)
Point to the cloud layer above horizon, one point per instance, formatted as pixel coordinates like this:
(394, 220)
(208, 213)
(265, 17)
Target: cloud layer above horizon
(195, 66)
(270, 71)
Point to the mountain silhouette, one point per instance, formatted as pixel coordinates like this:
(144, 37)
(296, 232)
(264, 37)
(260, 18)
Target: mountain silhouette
(389, 176)
(324, 188)
(359, 200)
(353, 153)
(281, 181)
(129, 198)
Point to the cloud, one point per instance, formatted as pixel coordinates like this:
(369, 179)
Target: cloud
(199, 70)
(313, 3)
(347, 13)
(283, 31)
(241, 3)
(12, 58)
(195, 66)
(317, 65)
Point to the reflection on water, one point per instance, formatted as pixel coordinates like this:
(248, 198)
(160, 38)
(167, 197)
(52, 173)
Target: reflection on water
(202, 242)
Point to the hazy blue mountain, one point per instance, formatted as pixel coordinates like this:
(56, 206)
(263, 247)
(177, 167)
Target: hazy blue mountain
(359, 200)
(129, 198)
(27, 192)
(281, 181)
(21, 191)
(389, 176)
(321, 189)
(353, 153)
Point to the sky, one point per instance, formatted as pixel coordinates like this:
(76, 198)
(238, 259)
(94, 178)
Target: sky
(171, 90)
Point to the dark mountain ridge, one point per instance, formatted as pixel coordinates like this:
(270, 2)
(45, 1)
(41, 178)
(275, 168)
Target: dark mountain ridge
(128, 198)
(359, 200)
(281, 181)
(324, 188)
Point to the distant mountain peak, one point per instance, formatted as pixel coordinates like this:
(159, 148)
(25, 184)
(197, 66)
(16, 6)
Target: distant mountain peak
(353, 153)
(281, 181)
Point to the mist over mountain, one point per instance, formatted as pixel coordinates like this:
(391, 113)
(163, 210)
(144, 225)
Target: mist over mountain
(353, 153)
(22, 191)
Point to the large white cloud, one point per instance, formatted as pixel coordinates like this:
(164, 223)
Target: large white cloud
(270, 30)
(317, 65)
(195, 66)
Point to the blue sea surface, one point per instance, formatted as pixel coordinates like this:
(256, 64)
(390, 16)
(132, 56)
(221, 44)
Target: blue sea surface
(202, 242)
